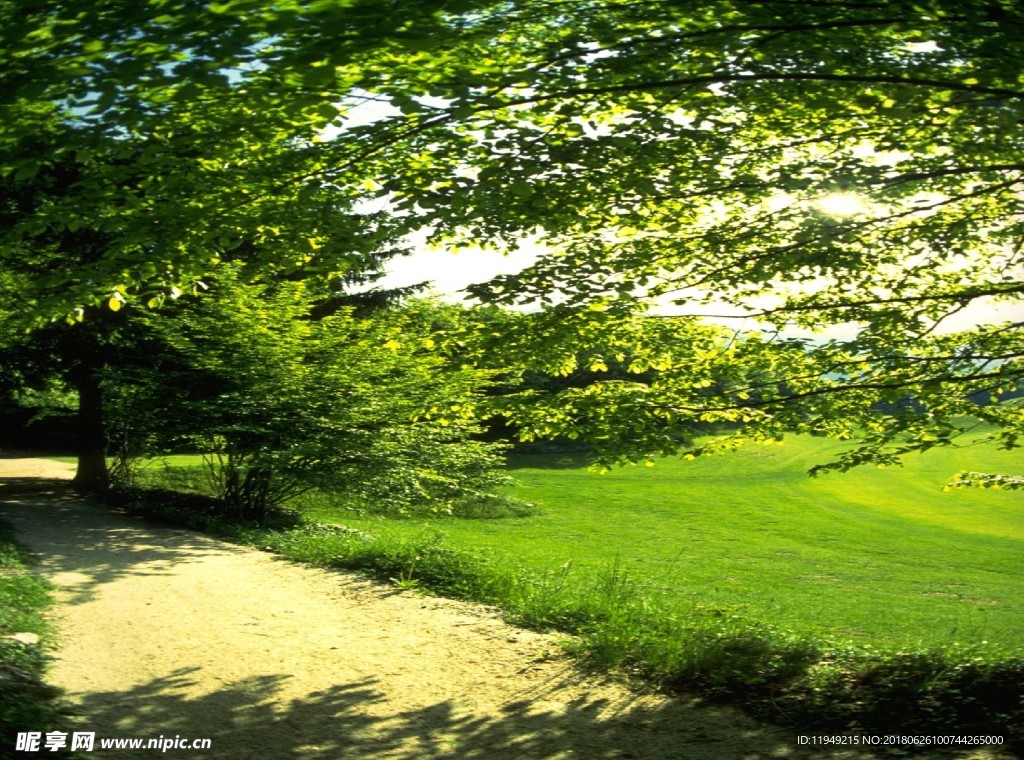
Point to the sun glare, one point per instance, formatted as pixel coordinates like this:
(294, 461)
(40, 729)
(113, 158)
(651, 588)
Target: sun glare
(842, 204)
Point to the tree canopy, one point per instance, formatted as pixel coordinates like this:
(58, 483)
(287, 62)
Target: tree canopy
(855, 164)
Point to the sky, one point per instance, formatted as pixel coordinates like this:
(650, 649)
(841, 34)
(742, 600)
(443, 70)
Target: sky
(451, 271)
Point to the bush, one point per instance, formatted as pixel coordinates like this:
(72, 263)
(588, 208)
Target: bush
(196, 510)
(281, 404)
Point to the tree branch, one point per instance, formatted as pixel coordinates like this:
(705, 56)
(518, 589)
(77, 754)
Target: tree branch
(938, 84)
(844, 388)
(912, 177)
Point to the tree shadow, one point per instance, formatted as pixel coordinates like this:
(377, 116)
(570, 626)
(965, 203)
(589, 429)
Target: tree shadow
(30, 488)
(251, 719)
(86, 546)
(9, 453)
(16, 453)
(548, 461)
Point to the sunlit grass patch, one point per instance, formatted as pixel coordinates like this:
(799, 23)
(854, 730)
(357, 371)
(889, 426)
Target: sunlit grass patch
(878, 556)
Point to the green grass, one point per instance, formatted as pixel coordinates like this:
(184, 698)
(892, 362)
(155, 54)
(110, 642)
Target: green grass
(879, 556)
(26, 704)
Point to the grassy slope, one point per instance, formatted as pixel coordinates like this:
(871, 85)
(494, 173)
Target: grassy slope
(879, 556)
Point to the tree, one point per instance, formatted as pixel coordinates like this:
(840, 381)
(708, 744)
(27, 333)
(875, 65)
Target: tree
(808, 163)
(282, 404)
(97, 338)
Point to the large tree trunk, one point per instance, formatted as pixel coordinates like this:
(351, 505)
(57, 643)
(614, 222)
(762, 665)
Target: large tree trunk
(92, 472)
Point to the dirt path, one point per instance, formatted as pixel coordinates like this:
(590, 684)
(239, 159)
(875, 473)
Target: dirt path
(165, 632)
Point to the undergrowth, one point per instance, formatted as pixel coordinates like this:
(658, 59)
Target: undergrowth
(27, 703)
(806, 681)
(192, 479)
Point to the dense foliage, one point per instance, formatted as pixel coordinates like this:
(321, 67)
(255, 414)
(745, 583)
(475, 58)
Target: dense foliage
(853, 164)
(281, 403)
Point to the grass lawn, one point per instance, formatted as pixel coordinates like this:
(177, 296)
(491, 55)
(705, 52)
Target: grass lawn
(880, 556)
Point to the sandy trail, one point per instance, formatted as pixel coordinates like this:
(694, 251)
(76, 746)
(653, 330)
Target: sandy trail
(165, 632)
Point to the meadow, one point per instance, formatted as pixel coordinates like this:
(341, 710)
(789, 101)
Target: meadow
(884, 556)
(874, 556)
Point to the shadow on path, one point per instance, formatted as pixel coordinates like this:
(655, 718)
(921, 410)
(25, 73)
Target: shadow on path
(86, 546)
(245, 720)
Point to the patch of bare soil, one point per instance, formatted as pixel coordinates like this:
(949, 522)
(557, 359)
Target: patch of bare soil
(169, 633)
